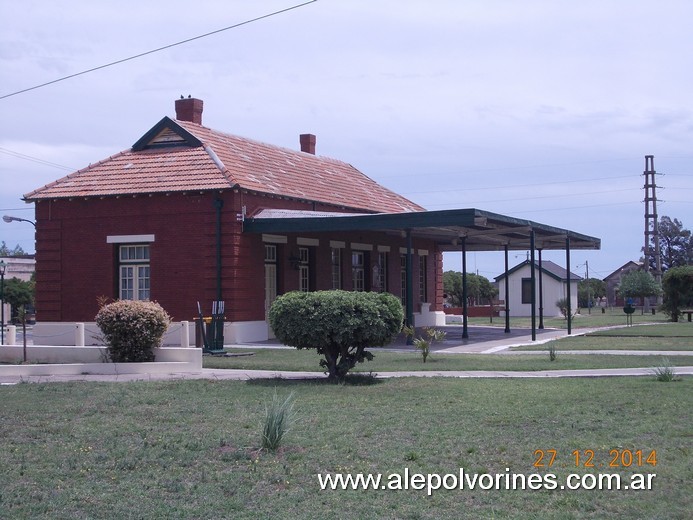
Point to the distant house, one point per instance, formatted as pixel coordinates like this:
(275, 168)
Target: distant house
(554, 287)
(614, 280)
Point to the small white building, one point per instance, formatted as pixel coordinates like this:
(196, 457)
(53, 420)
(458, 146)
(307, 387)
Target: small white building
(554, 283)
(21, 267)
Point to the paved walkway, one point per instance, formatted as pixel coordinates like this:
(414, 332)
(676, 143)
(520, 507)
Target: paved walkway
(246, 375)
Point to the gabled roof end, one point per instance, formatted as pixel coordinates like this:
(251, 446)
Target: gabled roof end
(159, 137)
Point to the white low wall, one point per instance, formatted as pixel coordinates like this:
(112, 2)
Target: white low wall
(179, 334)
(58, 333)
(245, 331)
(428, 318)
(61, 360)
(183, 334)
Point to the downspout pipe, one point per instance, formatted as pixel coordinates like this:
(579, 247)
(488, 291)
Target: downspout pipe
(218, 204)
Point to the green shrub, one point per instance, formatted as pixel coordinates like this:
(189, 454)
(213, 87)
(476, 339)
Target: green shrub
(338, 324)
(132, 329)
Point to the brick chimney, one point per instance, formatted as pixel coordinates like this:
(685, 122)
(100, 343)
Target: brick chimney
(308, 143)
(189, 109)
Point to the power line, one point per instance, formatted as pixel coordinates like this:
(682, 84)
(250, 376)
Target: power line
(34, 159)
(400, 174)
(552, 196)
(562, 209)
(28, 208)
(526, 185)
(117, 62)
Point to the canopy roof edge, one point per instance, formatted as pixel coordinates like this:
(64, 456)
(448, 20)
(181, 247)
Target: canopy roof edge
(449, 229)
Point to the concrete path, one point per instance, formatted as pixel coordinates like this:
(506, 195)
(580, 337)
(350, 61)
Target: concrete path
(245, 375)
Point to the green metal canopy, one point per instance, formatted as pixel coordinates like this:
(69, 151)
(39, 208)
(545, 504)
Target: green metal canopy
(481, 230)
(452, 230)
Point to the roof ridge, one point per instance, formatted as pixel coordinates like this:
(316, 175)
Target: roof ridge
(207, 135)
(219, 164)
(301, 153)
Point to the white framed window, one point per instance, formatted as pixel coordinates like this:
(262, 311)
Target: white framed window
(336, 268)
(134, 272)
(381, 272)
(403, 275)
(358, 270)
(270, 253)
(303, 269)
(423, 279)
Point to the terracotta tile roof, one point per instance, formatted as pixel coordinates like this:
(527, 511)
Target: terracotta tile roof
(212, 160)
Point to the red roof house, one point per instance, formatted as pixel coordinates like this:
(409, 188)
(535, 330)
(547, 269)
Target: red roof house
(164, 220)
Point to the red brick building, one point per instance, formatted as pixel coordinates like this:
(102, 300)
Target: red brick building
(164, 220)
(192, 214)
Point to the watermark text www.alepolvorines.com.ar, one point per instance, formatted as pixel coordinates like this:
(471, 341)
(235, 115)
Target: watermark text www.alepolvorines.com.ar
(462, 480)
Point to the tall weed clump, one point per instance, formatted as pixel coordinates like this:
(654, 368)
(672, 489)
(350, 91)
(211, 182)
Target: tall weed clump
(132, 329)
(279, 417)
(665, 373)
(424, 344)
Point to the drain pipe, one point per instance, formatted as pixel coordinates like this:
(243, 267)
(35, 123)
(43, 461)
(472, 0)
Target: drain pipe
(218, 204)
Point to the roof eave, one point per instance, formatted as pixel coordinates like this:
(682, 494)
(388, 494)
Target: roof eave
(452, 230)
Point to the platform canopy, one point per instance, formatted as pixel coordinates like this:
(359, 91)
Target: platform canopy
(452, 230)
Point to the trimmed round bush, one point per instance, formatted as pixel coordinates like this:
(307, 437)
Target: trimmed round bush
(132, 329)
(338, 324)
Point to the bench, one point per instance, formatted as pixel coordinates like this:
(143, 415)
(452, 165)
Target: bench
(687, 311)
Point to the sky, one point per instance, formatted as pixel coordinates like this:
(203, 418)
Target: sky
(541, 110)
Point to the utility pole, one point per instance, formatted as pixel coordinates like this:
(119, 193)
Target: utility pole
(651, 221)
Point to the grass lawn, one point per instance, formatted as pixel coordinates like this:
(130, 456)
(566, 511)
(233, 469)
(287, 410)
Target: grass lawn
(667, 330)
(612, 316)
(307, 360)
(669, 336)
(189, 449)
(666, 336)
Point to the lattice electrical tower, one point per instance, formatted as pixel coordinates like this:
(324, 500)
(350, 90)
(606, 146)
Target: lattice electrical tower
(651, 223)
